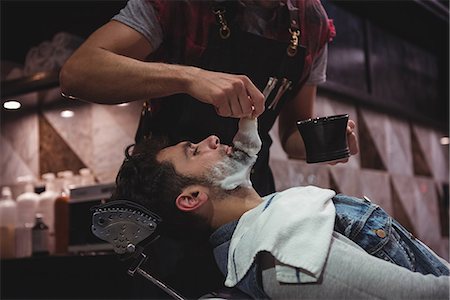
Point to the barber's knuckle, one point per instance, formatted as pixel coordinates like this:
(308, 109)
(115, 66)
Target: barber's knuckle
(238, 85)
(220, 95)
(243, 77)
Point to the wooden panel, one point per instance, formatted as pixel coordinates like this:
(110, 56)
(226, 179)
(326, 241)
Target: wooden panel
(346, 58)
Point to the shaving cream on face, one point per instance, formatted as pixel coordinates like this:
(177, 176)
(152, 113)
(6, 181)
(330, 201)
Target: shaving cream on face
(247, 138)
(234, 170)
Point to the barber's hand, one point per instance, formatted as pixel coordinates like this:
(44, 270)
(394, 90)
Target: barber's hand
(232, 95)
(352, 141)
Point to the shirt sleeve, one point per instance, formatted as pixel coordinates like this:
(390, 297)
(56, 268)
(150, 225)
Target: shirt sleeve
(319, 68)
(141, 16)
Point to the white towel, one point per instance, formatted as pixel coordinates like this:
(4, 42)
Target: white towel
(295, 227)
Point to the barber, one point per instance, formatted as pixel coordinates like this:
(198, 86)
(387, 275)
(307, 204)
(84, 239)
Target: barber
(204, 64)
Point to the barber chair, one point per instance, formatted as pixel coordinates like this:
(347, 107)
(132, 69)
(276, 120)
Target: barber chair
(130, 228)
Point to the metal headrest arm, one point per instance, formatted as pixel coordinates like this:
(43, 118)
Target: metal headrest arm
(124, 224)
(129, 227)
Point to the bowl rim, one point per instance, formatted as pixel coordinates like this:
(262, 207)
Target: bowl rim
(322, 119)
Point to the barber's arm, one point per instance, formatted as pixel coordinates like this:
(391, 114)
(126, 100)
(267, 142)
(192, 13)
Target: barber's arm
(109, 68)
(302, 108)
(299, 108)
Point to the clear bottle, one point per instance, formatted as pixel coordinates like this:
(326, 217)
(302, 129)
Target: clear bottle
(8, 221)
(62, 215)
(27, 204)
(46, 207)
(40, 237)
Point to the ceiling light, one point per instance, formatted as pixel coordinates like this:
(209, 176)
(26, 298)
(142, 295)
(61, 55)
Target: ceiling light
(445, 140)
(12, 104)
(67, 114)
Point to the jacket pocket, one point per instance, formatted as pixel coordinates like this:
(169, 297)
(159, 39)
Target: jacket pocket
(369, 226)
(396, 251)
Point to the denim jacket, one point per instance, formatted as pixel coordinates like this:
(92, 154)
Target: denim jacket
(362, 221)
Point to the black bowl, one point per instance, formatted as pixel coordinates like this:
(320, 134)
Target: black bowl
(325, 138)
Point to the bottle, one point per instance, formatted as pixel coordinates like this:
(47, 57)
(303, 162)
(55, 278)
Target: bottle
(40, 237)
(46, 207)
(8, 220)
(62, 215)
(27, 204)
(86, 177)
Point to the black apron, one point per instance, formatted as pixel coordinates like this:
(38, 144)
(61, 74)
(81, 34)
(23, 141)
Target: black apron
(181, 117)
(190, 268)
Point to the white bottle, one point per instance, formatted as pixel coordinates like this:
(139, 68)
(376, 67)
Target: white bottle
(8, 220)
(46, 207)
(86, 177)
(27, 204)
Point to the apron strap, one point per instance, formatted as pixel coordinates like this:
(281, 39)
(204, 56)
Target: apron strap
(294, 29)
(223, 11)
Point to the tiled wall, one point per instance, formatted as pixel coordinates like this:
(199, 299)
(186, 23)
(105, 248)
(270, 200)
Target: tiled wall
(401, 166)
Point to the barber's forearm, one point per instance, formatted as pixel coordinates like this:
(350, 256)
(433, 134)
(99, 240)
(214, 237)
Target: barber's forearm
(100, 76)
(294, 147)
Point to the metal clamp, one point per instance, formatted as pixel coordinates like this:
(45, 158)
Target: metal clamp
(293, 45)
(224, 30)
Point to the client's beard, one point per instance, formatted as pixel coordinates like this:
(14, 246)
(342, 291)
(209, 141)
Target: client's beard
(234, 170)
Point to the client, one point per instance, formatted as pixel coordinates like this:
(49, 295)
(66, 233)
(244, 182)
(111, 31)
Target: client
(304, 242)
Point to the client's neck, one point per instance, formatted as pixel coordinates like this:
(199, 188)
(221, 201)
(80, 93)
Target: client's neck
(233, 206)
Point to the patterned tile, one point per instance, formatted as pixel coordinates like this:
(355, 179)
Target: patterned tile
(417, 196)
(433, 152)
(376, 186)
(75, 131)
(276, 150)
(291, 173)
(108, 144)
(346, 180)
(54, 153)
(392, 139)
(20, 130)
(12, 165)
(371, 157)
(126, 116)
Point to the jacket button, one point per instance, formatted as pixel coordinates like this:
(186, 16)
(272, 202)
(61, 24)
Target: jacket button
(380, 233)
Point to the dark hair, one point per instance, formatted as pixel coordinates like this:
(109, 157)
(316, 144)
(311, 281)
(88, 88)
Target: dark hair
(155, 185)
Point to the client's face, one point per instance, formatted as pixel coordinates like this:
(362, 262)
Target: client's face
(208, 159)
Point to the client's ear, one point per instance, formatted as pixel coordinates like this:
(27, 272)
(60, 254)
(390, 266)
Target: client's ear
(191, 198)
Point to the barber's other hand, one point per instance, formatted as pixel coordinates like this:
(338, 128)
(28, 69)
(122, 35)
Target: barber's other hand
(352, 141)
(232, 95)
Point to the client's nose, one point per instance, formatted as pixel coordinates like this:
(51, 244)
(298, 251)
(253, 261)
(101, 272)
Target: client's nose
(212, 142)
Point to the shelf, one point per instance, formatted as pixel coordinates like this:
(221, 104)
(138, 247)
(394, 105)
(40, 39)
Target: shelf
(36, 82)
